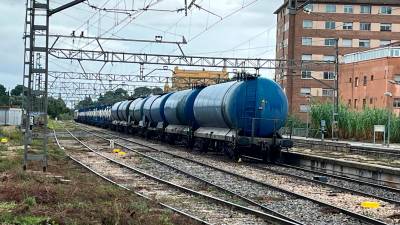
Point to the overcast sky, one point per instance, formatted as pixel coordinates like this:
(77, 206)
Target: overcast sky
(250, 32)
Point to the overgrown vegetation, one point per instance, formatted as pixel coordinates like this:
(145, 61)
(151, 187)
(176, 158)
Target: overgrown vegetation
(357, 125)
(68, 194)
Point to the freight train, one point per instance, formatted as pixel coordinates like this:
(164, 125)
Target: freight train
(241, 117)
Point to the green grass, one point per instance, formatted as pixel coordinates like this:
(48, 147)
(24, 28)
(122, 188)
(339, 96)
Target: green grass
(8, 218)
(13, 134)
(356, 125)
(5, 206)
(30, 201)
(54, 125)
(34, 198)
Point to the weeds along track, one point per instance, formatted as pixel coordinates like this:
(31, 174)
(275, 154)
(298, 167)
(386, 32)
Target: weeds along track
(245, 182)
(191, 197)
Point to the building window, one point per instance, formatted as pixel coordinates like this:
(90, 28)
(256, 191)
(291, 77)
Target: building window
(329, 58)
(348, 26)
(305, 74)
(386, 27)
(305, 91)
(350, 80)
(330, 8)
(372, 77)
(309, 8)
(371, 101)
(327, 92)
(330, 25)
(349, 103)
(347, 43)
(396, 102)
(355, 103)
(306, 57)
(348, 9)
(364, 103)
(397, 78)
(365, 43)
(307, 24)
(356, 82)
(387, 10)
(365, 9)
(365, 81)
(329, 75)
(305, 108)
(384, 43)
(330, 41)
(365, 26)
(306, 41)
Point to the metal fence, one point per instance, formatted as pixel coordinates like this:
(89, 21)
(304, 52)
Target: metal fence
(301, 132)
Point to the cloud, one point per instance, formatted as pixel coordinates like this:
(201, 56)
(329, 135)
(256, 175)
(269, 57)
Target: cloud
(236, 31)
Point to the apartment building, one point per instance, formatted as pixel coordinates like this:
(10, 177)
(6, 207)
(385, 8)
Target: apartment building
(371, 79)
(311, 34)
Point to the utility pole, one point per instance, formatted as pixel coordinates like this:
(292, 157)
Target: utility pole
(36, 37)
(335, 122)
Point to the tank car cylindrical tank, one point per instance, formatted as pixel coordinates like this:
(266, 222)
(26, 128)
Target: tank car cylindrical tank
(257, 106)
(138, 110)
(178, 108)
(147, 106)
(123, 110)
(114, 111)
(132, 110)
(157, 108)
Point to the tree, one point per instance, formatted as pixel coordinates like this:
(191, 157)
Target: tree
(18, 95)
(111, 97)
(85, 103)
(157, 91)
(17, 91)
(56, 107)
(4, 97)
(141, 91)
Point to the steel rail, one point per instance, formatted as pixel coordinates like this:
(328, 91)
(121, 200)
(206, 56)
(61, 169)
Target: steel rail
(344, 173)
(126, 188)
(342, 177)
(250, 201)
(269, 217)
(345, 211)
(330, 185)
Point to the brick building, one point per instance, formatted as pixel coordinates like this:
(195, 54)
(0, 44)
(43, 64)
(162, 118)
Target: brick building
(366, 76)
(311, 34)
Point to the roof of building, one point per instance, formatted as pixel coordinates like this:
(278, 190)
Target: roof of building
(370, 2)
(392, 50)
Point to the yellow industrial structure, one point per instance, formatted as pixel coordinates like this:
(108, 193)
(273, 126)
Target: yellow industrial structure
(186, 79)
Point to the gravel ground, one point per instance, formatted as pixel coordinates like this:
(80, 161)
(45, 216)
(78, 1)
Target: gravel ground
(201, 208)
(277, 200)
(381, 192)
(302, 210)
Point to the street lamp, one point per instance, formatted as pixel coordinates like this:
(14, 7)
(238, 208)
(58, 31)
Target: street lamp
(389, 95)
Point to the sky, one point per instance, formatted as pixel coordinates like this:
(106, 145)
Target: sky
(229, 28)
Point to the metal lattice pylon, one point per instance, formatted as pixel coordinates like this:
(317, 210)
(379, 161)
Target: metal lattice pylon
(36, 81)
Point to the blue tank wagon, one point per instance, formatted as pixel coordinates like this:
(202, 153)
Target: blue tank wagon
(238, 117)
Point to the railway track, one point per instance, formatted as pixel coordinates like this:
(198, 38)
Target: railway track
(215, 206)
(312, 206)
(383, 192)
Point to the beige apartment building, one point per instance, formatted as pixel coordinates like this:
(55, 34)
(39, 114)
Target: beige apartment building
(311, 34)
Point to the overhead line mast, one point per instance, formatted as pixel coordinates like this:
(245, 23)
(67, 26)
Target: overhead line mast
(35, 77)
